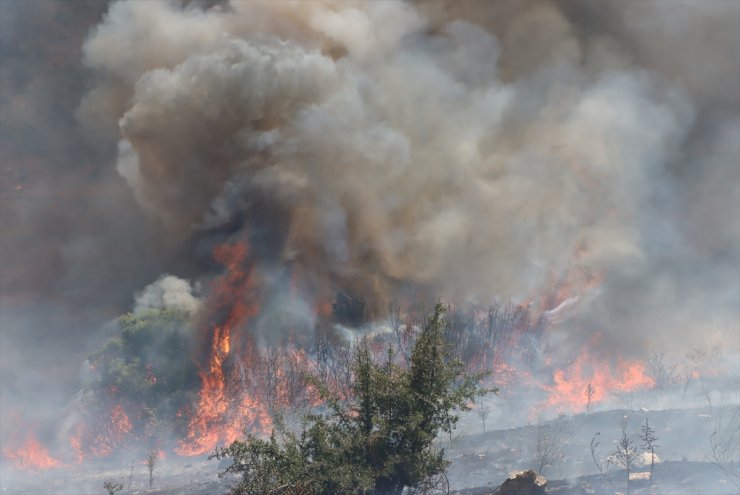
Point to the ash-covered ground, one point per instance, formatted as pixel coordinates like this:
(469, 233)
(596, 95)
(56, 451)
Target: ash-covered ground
(245, 163)
(487, 459)
(560, 447)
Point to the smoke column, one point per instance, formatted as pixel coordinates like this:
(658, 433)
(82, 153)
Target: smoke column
(464, 150)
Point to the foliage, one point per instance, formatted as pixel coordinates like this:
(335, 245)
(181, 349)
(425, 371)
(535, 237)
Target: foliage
(147, 364)
(380, 440)
(112, 487)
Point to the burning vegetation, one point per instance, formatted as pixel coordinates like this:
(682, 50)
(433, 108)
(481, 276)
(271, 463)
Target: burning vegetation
(187, 378)
(285, 186)
(203, 379)
(31, 455)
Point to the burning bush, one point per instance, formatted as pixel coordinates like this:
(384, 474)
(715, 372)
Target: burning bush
(379, 441)
(145, 373)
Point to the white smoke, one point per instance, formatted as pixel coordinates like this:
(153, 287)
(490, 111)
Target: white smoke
(167, 292)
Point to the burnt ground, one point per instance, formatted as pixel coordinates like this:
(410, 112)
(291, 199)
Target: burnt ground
(480, 461)
(670, 478)
(486, 459)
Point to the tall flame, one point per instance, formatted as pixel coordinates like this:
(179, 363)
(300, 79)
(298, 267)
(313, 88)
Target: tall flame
(222, 412)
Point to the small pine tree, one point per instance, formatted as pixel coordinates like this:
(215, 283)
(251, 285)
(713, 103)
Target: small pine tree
(649, 444)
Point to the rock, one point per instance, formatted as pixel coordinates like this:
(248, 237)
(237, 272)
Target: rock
(643, 460)
(640, 476)
(523, 483)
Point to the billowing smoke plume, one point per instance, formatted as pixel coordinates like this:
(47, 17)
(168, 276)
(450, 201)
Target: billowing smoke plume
(168, 292)
(394, 150)
(470, 151)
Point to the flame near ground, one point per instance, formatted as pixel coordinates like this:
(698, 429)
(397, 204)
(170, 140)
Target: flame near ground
(577, 161)
(232, 401)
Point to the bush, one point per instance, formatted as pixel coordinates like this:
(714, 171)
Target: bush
(148, 365)
(379, 441)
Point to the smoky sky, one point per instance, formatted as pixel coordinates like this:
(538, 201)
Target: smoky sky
(463, 150)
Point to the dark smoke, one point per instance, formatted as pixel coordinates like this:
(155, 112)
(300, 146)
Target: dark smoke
(468, 150)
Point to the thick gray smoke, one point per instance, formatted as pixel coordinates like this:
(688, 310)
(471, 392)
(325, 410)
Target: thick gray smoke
(476, 150)
(468, 150)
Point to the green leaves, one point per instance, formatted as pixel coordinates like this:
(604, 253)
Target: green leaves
(379, 441)
(150, 363)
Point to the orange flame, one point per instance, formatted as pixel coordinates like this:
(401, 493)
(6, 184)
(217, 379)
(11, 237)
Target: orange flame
(222, 414)
(120, 424)
(102, 440)
(76, 443)
(212, 403)
(32, 455)
(570, 388)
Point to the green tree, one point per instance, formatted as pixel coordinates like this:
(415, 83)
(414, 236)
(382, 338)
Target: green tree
(379, 441)
(147, 364)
